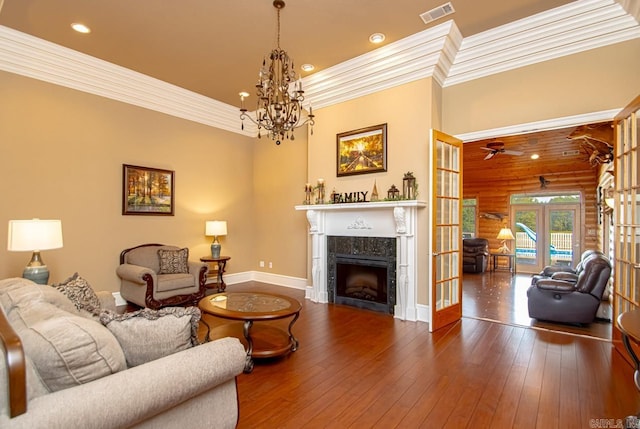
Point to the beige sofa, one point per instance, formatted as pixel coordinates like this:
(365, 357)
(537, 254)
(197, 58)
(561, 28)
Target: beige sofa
(75, 374)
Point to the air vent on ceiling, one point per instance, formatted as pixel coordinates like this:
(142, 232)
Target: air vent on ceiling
(437, 13)
(571, 153)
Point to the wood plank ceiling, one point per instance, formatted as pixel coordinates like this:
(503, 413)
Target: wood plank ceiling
(559, 156)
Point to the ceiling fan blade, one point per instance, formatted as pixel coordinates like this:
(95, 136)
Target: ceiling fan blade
(512, 152)
(490, 155)
(487, 148)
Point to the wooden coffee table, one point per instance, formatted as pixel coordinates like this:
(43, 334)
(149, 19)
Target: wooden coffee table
(261, 340)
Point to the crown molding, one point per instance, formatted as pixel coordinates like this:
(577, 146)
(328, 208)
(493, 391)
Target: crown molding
(547, 124)
(30, 56)
(421, 55)
(439, 52)
(566, 30)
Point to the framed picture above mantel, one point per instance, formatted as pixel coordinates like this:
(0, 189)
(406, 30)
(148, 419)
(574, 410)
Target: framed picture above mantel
(362, 151)
(147, 191)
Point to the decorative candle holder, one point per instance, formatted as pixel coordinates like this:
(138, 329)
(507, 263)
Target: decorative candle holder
(409, 186)
(393, 193)
(308, 190)
(320, 188)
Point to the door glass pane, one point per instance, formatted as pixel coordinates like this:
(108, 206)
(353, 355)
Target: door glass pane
(469, 217)
(561, 237)
(526, 238)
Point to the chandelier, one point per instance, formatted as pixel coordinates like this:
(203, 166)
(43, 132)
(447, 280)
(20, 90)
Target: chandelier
(279, 109)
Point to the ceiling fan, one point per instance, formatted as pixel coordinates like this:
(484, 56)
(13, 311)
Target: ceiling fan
(495, 148)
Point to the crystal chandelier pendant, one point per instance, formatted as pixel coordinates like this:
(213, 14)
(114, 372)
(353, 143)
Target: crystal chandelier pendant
(280, 95)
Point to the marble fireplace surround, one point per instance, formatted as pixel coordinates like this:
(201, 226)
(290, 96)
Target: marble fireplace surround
(393, 219)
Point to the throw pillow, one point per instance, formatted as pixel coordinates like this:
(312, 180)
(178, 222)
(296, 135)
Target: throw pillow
(66, 349)
(173, 261)
(80, 292)
(147, 335)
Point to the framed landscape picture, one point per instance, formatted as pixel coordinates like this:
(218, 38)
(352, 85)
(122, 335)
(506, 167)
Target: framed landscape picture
(147, 191)
(362, 151)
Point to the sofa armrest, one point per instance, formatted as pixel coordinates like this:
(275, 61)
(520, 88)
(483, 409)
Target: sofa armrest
(565, 276)
(556, 285)
(195, 267)
(135, 273)
(553, 269)
(137, 394)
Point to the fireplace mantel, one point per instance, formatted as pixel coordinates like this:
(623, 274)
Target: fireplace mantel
(397, 219)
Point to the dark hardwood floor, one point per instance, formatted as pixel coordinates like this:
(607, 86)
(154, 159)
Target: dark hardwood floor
(501, 297)
(361, 369)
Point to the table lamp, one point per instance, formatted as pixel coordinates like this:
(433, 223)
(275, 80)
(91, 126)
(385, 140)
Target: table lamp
(33, 236)
(215, 228)
(504, 235)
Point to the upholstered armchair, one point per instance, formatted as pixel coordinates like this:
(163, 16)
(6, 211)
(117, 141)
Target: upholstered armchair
(475, 255)
(157, 275)
(571, 302)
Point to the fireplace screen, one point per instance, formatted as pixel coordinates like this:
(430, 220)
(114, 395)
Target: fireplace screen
(362, 279)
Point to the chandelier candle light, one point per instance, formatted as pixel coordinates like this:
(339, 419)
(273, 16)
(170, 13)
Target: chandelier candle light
(33, 236)
(215, 228)
(279, 109)
(504, 235)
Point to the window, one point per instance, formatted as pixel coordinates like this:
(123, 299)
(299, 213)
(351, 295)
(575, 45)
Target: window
(469, 206)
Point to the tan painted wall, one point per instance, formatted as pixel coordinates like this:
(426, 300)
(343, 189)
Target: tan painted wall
(591, 81)
(61, 156)
(407, 145)
(280, 173)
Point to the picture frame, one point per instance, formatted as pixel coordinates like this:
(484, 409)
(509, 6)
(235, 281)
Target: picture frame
(362, 151)
(147, 191)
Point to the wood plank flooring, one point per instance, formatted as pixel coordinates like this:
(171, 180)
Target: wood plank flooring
(361, 369)
(499, 296)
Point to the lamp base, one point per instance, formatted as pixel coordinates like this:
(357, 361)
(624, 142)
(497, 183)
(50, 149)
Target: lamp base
(215, 250)
(504, 249)
(38, 274)
(36, 270)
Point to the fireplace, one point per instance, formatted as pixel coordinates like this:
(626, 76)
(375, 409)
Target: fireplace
(362, 272)
(364, 229)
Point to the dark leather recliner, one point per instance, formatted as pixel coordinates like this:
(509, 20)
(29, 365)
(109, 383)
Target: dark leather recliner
(568, 302)
(563, 272)
(475, 255)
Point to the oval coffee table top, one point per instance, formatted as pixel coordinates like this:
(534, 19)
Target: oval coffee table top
(249, 305)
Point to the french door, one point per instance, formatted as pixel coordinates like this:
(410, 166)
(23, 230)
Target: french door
(446, 235)
(546, 234)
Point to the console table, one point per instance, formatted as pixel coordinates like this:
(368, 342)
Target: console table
(217, 268)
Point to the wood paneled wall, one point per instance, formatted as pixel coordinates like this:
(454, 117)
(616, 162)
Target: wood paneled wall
(493, 181)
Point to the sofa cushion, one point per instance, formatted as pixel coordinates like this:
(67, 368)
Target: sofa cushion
(169, 282)
(80, 293)
(173, 261)
(66, 348)
(146, 334)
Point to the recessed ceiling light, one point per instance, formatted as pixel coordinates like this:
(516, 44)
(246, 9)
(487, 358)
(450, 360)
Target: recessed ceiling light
(307, 67)
(535, 156)
(80, 28)
(377, 38)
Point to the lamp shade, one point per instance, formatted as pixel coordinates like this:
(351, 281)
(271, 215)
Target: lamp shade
(34, 234)
(505, 234)
(216, 227)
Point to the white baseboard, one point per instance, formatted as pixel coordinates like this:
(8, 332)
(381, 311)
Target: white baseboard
(119, 299)
(261, 276)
